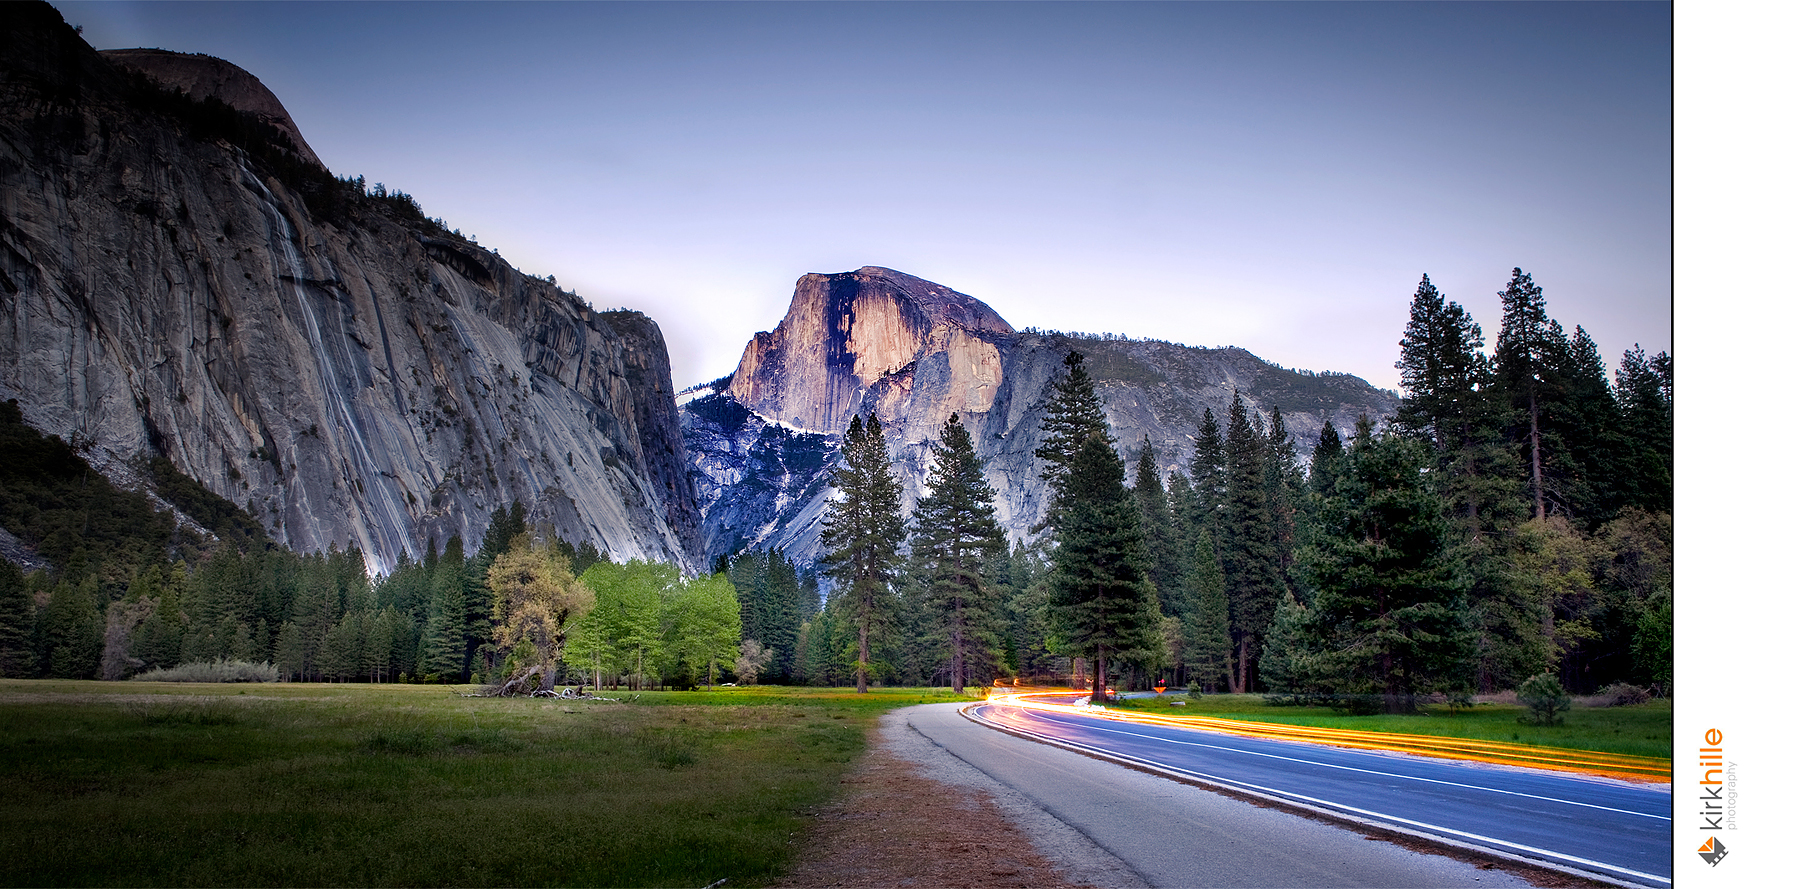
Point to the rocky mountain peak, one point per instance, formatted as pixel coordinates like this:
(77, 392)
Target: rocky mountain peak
(845, 333)
(203, 77)
(912, 353)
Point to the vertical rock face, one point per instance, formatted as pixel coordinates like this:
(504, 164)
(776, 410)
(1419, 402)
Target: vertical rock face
(764, 441)
(353, 378)
(844, 333)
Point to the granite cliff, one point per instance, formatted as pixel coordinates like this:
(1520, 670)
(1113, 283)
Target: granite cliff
(763, 441)
(178, 276)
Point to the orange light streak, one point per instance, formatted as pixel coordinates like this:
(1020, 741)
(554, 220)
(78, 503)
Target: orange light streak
(1592, 762)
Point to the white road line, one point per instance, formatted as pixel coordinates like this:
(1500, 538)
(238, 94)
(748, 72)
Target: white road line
(1533, 850)
(1369, 771)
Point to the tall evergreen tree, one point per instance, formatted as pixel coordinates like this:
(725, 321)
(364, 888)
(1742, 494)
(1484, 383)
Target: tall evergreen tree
(1100, 601)
(1452, 403)
(18, 659)
(955, 537)
(862, 535)
(441, 648)
(1587, 429)
(1073, 415)
(1441, 369)
(1206, 622)
(1248, 548)
(1207, 470)
(1327, 456)
(1527, 356)
(72, 630)
(1646, 393)
(1282, 483)
(1166, 564)
(1389, 603)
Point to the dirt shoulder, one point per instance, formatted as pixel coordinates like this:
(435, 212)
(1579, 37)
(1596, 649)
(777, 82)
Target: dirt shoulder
(902, 823)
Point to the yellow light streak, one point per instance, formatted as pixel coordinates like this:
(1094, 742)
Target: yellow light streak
(1591, 762)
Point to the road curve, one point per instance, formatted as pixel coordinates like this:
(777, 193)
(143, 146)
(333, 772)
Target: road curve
(1614, 830)
(1174, 834)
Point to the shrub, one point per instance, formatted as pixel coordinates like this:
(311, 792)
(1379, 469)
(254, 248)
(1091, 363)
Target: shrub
(1545, 698)
(1620, 694)
(211, 671)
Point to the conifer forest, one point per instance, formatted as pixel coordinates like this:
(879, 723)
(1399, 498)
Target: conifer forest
(1514, 518)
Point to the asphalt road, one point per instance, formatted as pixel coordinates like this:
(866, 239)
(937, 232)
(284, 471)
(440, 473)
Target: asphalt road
(1167, 833)
(1175, 834)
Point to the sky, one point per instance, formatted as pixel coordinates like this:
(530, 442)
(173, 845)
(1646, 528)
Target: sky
(1275, 176)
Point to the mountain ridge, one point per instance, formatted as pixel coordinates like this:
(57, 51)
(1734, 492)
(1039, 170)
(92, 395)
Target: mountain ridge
(763, 440)
(177, 281)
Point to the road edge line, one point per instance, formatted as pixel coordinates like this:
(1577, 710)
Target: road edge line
(1283, 802)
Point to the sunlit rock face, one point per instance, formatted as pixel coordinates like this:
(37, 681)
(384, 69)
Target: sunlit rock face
(355, 380)
(763, 441)
(844, 333)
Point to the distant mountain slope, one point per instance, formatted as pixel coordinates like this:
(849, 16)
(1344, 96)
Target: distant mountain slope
(177, 278)
(764, 440)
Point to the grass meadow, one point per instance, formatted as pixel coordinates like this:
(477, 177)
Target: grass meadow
(1646, 729)
(137, 784)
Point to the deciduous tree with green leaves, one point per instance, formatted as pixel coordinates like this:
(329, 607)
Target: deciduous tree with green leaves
(535, 596)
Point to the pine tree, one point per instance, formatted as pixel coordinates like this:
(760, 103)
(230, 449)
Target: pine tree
(1248, 548)
(1452, 403)
(1282, 483)
(442, 651)
(1646, 393)
(1441, 369)
(1160, 534)
(1100, 600)
(72, 628)
(1389, 584)
(862, 536)
(1073, 415)
(1207, 471)
(781, 616)
(1206, 625)
(18, 660)
(1287, 654)
(1526, 358)
(955, 536)
(1586, 423)
(1327, 456)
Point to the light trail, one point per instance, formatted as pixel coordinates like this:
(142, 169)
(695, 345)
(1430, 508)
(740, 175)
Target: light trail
(1381, 774)
(1614, 765)
(1441, 833)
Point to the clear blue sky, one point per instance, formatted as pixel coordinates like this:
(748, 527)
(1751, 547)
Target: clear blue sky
(1271, 175)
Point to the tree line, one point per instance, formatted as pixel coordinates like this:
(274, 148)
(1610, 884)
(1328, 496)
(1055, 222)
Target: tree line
(1512, 519)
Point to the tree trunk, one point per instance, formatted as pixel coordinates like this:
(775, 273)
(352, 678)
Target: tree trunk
(1099, 693)
(1537, 459)
(862, 658)
(956, 655)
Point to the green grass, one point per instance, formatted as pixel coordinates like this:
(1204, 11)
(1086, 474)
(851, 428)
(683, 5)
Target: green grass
(1639, 729)
(321, 785)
